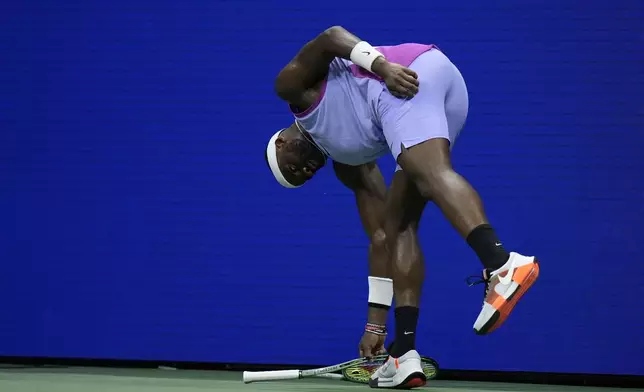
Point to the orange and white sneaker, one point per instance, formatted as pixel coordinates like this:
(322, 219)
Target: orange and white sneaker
(405, 372)
(503, 289)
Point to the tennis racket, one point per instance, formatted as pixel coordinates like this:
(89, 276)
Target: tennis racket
(358, 371)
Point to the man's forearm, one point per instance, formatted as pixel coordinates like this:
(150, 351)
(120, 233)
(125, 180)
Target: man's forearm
(379, 267)
(338, 42)
(370, 189)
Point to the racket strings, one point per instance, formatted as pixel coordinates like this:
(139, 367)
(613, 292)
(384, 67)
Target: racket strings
(361, 373)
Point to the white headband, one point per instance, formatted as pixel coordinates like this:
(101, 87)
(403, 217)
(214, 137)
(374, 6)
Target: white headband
(271, 153)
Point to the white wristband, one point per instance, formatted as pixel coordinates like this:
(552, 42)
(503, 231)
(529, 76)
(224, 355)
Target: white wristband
(381, 291)
(364, 55)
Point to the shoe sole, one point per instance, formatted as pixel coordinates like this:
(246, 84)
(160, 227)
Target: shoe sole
(501, 314)
(414, 380)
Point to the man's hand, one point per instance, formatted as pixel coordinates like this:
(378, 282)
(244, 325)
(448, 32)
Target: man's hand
(372, 345)
(401, 82)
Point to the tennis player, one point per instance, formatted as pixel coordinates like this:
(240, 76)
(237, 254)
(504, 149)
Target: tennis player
(353, 103)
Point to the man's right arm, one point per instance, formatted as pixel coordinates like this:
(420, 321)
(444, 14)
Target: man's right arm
(311, 65)
(369, 187)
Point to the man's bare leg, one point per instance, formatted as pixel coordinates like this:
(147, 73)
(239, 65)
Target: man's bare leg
(507, 276)
(429, 166)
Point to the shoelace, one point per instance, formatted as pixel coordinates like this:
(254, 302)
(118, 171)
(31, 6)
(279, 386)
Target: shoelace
(480, 279)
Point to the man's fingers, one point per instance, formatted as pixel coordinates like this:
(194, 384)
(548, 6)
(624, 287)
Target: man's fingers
(407, 88)
(398, 94)
(410, 73)
(365, 352)
(395, 92)
(411, 87)
(410, 79)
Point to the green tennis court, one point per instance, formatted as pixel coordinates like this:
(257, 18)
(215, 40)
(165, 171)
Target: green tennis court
(153, 380)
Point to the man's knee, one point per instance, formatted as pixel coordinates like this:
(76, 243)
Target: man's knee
(379, 239)
(431, 181)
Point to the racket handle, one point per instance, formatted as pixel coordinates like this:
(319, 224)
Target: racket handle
(331, 376)
(271, 376)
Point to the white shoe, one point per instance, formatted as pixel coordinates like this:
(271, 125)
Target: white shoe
(405, 372)
(503, 289)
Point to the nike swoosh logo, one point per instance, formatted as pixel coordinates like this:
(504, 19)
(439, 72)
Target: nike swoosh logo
(507, 279)
(408, 333)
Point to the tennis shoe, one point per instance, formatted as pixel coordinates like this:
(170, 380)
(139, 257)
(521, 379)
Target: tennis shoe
(405, 372)
(503, 289)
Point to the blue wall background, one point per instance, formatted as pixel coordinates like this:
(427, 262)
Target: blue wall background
(139, 221)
